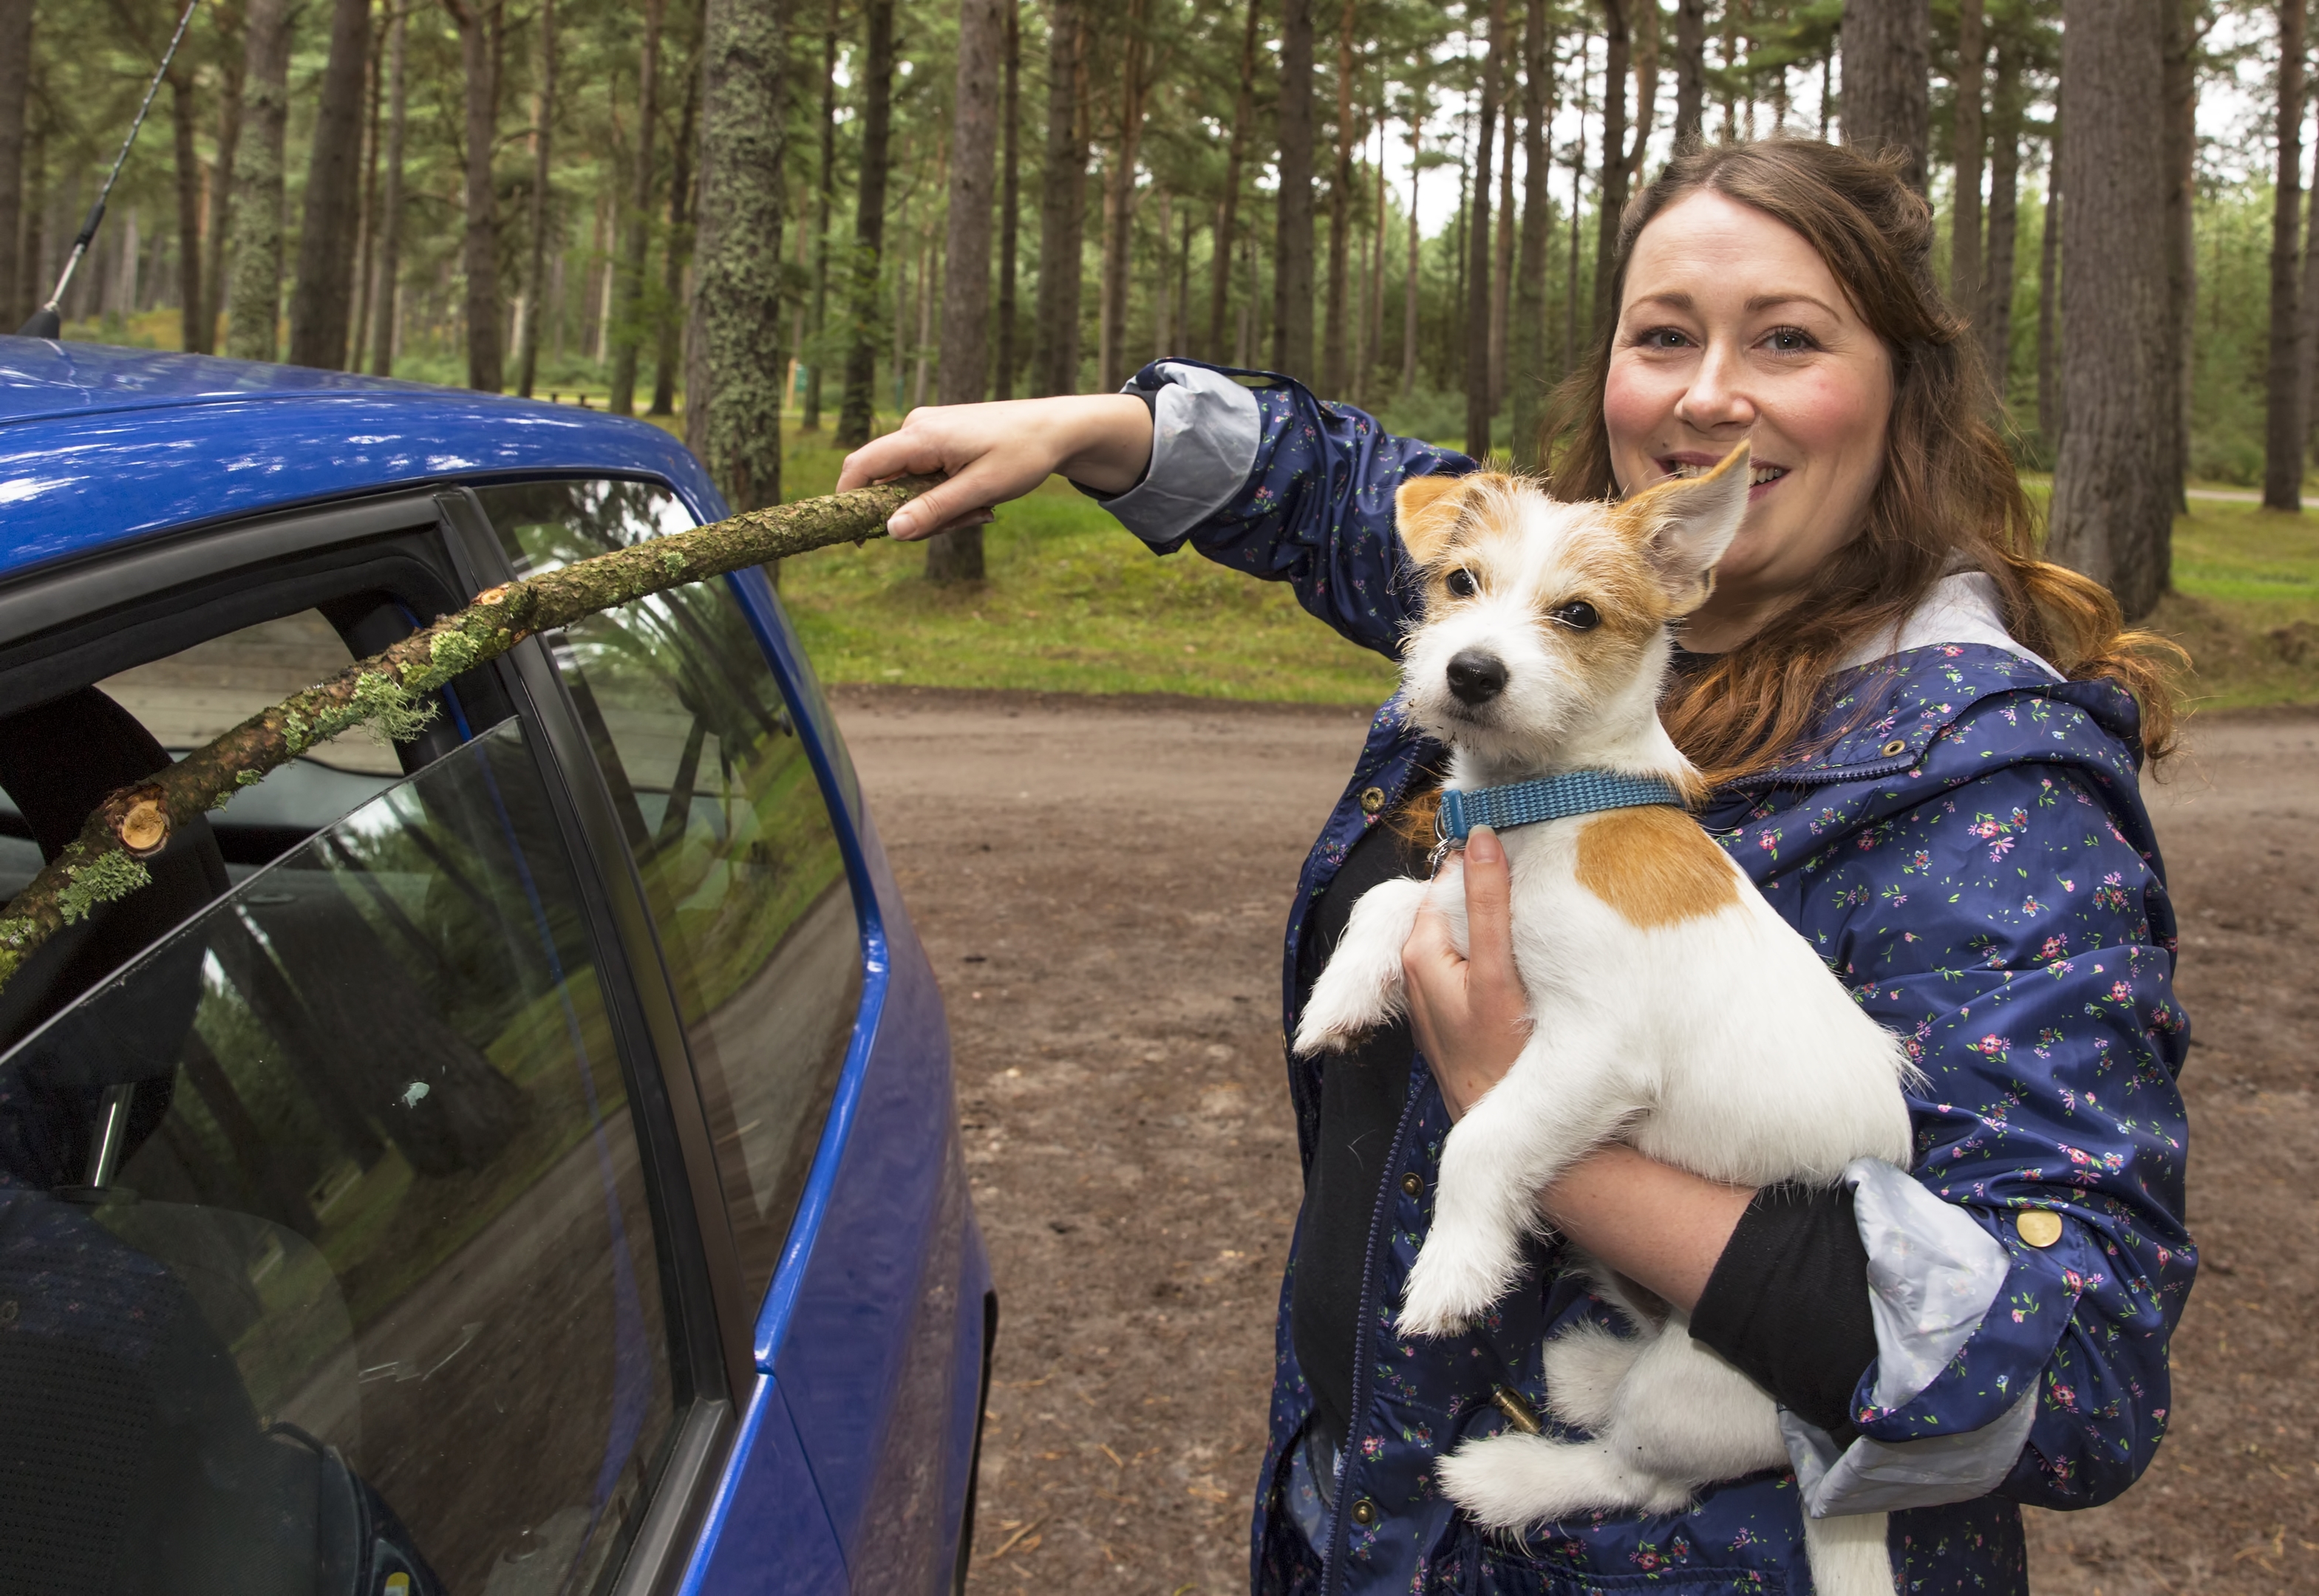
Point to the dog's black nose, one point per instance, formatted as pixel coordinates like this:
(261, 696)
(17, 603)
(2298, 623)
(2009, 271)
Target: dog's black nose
(1476, 677)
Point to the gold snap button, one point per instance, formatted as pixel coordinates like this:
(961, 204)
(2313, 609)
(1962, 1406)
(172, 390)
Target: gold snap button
(1897, 745)
(1414, 1184)
(2039, 1227)
(1364, 1513)
(1372, 799)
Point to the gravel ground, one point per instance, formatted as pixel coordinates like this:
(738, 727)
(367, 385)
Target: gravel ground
(1102, 884)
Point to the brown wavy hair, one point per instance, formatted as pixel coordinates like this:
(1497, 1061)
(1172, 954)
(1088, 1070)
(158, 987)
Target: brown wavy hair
(1949, 498)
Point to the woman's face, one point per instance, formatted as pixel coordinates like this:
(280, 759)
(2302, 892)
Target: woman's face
(1733, 328)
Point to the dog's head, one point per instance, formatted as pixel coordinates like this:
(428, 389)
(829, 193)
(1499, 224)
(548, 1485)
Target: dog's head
(1544, 618)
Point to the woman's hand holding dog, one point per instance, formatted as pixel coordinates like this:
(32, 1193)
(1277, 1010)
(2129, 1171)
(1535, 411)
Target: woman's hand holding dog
(995, 452)
(1662, 1227)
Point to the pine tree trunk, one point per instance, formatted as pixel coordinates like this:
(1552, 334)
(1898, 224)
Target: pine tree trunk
(16, 293)
(857, 414)
(2049, 258)
(2310, 299)
(2004, 214)
(738, 273)
(534, 280)
(2181, 78)
(214, 286)
(1010, 203)
(1163, 222)
(1292, 260)
(1964, 212)
(1063, 209)
(369, 227)
(322, 302)
(1690, 69)
(184, 112)
(2113, 515)
(635, 234)
(1333, 374)
(1647, 91)
(1613, 197)
(824, 194)
(388, 274)
(1119, 203)
(1477, 241)
(668, 353)
(1409, 280)
(957, 556)
(255, 306)
(1528, 377)
(479, 23)
(2282, 450)
(1228, 217)
(1888, 66)
(1501, 264)
(1373, 322)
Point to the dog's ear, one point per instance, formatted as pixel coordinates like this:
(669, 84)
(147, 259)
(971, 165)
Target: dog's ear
(1684, 524)
(1425, 514)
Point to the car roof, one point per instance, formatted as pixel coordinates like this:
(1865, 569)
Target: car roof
(101, 445)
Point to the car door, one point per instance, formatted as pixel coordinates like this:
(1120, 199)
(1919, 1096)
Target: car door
(350, 1220)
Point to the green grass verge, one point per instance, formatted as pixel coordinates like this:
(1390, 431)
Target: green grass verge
(2245, 604)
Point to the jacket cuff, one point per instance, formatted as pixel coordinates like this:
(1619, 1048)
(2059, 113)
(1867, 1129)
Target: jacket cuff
(1205, 430)
(1932, 1275)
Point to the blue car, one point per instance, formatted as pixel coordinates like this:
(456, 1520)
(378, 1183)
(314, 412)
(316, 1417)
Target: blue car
(519, 1159)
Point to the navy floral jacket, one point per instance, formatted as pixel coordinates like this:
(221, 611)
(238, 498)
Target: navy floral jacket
(1972, 859)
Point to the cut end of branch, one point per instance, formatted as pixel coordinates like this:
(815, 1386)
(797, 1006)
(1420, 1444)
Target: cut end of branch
(143, 827)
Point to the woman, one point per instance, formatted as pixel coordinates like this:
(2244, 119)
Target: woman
(1925, 745)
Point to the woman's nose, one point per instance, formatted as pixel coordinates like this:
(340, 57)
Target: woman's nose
(1717, 398)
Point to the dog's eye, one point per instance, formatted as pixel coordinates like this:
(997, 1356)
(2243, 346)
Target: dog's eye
(1461, 583)
(1577, 614)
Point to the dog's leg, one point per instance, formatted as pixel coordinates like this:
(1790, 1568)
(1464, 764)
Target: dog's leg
(1685, 1414)
(1583, 1366)
(1512, 1481)
(1360, 988)
(1560, 1100)
(1849, 1556)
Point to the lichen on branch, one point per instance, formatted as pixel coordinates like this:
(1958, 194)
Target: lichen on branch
(390, 692)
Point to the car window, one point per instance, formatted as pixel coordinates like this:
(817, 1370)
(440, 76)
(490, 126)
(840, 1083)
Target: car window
(736, 850)
(326, 1257)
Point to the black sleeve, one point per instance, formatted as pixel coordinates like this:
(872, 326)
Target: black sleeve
(1788, 1303)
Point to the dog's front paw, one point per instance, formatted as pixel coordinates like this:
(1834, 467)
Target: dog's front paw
(1445, 1293)
(1333, 1020)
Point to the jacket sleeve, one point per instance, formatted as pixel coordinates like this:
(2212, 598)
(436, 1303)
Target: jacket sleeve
(2027, 1278)
(1256, 474)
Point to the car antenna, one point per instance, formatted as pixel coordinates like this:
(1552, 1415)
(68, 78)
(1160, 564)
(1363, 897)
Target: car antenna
(47, 322)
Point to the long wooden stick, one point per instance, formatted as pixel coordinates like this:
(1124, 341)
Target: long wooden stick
(105, 861)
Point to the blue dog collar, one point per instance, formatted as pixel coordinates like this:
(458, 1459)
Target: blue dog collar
(1549, 798)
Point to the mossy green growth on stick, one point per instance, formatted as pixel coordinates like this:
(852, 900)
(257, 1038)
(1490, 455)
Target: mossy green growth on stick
(389, 691)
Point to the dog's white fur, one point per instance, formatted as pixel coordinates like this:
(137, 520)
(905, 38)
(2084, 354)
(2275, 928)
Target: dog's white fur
(1715, 1041)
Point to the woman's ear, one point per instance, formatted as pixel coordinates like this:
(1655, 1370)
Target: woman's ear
(1684, 524)
(1425, 514)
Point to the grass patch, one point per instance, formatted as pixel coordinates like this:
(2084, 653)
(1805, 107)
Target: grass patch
(2245, 604)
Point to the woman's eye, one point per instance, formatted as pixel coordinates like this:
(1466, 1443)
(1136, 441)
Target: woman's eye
(1577, 614)
(1790, 340)
(1663, 337)
(1461, 583)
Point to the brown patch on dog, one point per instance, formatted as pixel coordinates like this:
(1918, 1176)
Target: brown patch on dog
(1653, 866)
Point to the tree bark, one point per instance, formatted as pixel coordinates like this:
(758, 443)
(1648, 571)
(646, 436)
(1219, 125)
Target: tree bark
(15, 92)
(184, 119)
(1292, 260)
(322, 302)
(1063, 210)
(1613, 196)
(964, 375)
(255, 305)
(367, 229)
(1410, 279)
(1888, 66)
(1478, 244)
(668, 333)
(535, 276)
(1690, 69)
(2181, 71)
(2112, 515)
(232, 29)
(1119, 203)
(1965, 212)
(1228, 217)
(2049, 255)
(857, 415)
(636, 235)
(1502, 262)
(1647, 91)
(2004, 214)
(824, 194)
(737, 275)
(388, 272)
(1010, 203)
(1528, 377)
(479, 23)
(2310, 296)
(2282, 450)
(1333, 374)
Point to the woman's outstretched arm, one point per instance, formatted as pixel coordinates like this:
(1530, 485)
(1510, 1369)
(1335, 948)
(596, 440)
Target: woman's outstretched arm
(1000, 451)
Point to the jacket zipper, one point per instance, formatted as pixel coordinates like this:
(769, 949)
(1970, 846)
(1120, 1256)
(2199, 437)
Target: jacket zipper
(1333, 1564)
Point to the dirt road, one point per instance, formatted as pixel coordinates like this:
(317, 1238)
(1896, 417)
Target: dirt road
(1102, 884)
